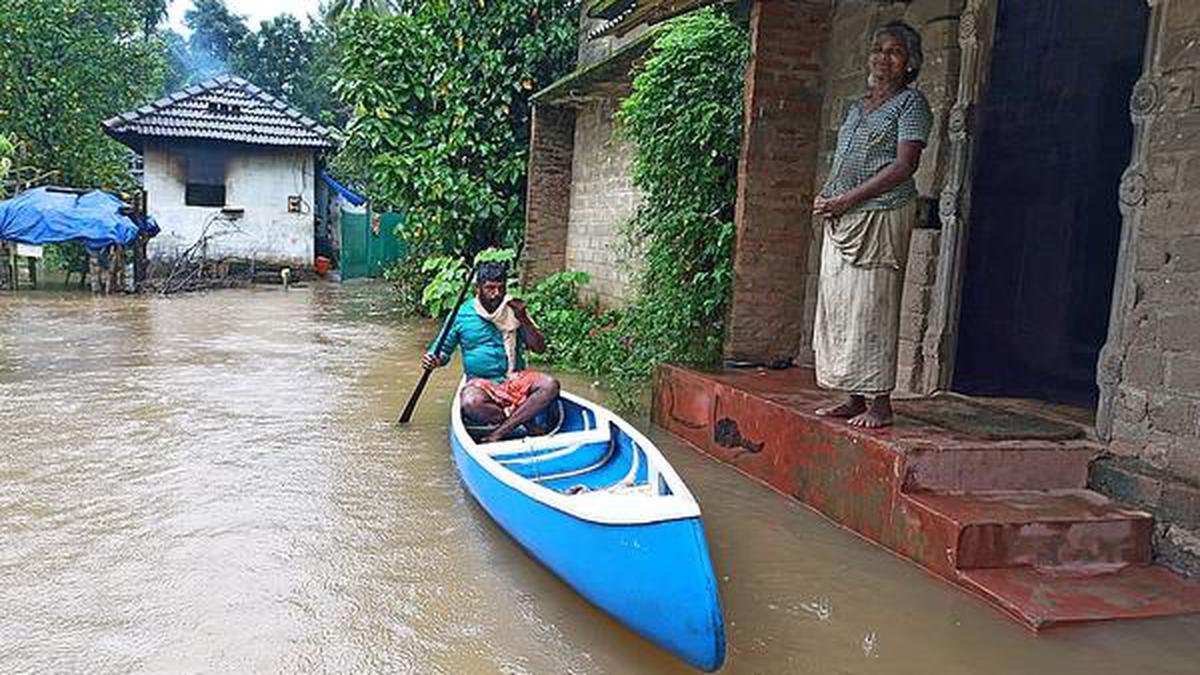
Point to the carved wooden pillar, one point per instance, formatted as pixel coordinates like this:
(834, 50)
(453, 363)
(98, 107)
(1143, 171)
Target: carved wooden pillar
(975, 30)
(1145, 104)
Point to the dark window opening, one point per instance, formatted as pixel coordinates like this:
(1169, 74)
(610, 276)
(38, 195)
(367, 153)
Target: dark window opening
(198, 194)
(205, 184)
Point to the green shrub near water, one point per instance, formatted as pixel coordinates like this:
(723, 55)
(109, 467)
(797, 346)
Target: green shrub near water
(684, 117)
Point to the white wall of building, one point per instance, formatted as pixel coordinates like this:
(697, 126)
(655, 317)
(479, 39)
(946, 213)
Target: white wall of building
(258, 180)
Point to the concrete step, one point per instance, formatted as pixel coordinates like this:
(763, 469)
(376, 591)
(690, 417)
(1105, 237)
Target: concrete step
(1049, 529)
(1013, 465)
(1042, 598)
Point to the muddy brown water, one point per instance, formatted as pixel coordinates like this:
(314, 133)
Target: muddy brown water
(214, 483)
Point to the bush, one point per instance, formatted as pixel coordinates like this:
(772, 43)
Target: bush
(684, 117)
(7, 150)
(68, 256)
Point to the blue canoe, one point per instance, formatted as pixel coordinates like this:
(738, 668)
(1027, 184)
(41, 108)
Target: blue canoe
(597, 503)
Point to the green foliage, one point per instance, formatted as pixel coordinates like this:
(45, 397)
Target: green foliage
(151, 13)
(216, 32)
(277, 57)
(7, 150)
(684, 117)
(572, 327)
(65, 66)
(440, 112)
(408, 283)
(449, 275)
(69, 256)
(340, 8)
(15, 167)
(179, 62)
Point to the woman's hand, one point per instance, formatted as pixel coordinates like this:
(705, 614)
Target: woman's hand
(830, 207)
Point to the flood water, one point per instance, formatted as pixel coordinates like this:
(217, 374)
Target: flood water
(215, 483)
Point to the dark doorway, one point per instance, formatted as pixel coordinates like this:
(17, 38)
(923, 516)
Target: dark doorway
(1055, 136)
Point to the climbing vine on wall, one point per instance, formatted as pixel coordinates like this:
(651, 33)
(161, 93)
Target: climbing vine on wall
(684, 118)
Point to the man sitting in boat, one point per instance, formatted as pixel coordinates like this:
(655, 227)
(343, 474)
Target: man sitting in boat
(494, 330)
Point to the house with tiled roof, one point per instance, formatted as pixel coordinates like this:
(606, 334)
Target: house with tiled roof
(227, 162)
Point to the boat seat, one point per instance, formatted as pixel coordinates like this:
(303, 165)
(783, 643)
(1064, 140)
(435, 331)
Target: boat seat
(503, 451)
(567, 461)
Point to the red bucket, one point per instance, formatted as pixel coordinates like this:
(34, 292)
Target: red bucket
(322, 265)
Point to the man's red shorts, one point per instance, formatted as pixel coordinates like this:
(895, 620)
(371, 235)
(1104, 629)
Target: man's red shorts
(510, 393)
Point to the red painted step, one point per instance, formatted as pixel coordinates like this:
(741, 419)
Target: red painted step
(1054, 528)
(1004, 465)
(1042, 598)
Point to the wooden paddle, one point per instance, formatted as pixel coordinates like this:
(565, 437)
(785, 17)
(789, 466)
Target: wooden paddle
(437, 349)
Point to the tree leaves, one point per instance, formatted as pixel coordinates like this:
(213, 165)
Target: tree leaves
(440, 95)
(65, 67)
(684, 117)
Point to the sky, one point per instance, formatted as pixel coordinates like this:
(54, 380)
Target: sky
(255, 11)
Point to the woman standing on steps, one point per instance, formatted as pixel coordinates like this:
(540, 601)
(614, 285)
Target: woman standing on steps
(869, 208)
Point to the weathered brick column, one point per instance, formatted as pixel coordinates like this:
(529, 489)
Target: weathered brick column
(776, 174)
(548, 196)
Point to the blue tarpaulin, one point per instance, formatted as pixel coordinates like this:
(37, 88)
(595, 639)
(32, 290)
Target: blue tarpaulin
(348, 194)
(48, 216)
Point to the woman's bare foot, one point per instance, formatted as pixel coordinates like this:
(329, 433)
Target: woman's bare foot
(878, 414)
(851, 407)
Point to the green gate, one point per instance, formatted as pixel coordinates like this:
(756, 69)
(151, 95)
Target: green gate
(369, 243)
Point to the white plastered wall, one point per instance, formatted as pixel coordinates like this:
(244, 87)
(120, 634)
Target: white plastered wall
(257, 180)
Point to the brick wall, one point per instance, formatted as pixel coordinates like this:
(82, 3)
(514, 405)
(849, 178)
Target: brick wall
(776, 172)
(602, 200)
(1156, 416)
(580, 192)
(547, 207)
(846, 58)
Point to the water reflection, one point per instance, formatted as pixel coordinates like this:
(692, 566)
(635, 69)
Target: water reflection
(215, 483)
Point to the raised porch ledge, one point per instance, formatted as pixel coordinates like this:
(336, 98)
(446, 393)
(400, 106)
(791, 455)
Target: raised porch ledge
(1008, 519)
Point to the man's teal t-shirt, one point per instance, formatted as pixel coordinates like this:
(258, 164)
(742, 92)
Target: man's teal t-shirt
(482, 345)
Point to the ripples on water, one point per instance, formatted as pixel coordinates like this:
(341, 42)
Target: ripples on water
(214, 483)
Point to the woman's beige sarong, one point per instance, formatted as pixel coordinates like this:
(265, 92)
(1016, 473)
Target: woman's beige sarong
(863, 257)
